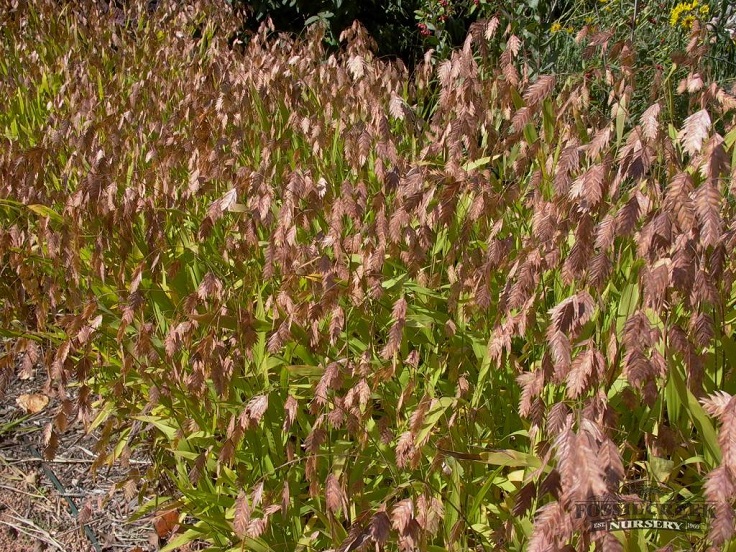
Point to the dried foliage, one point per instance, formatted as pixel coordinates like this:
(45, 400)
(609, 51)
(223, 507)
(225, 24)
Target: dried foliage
(344, 313)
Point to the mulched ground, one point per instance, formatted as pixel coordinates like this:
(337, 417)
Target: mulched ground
(35, 515)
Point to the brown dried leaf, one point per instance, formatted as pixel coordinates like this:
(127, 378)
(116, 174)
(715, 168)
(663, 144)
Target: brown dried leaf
(165, 523)
(708, 210)
(242, 514)
(538, 91)
(380, 527)
(32, 403)
(716, 403)
(695, 131)
(650, 122)
(335, 497)
(402, 514)
(290, 407)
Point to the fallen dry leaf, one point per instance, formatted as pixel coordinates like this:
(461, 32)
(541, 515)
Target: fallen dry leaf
(166, 523)
(32, 403)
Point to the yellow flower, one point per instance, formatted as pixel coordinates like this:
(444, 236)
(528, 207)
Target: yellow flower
(569, 30)
(556, 27)
(677, 12)
(683, 13)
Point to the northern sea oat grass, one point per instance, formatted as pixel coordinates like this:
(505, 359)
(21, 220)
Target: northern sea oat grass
(338, 316)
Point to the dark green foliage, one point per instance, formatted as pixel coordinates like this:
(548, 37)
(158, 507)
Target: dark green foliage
(392, 24)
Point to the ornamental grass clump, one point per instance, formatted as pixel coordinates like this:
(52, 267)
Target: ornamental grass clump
(341, 305)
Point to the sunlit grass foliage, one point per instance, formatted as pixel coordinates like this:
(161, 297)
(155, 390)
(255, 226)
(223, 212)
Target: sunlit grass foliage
(341, 305)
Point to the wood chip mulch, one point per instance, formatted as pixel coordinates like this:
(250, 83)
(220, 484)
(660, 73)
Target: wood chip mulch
(35, 511)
